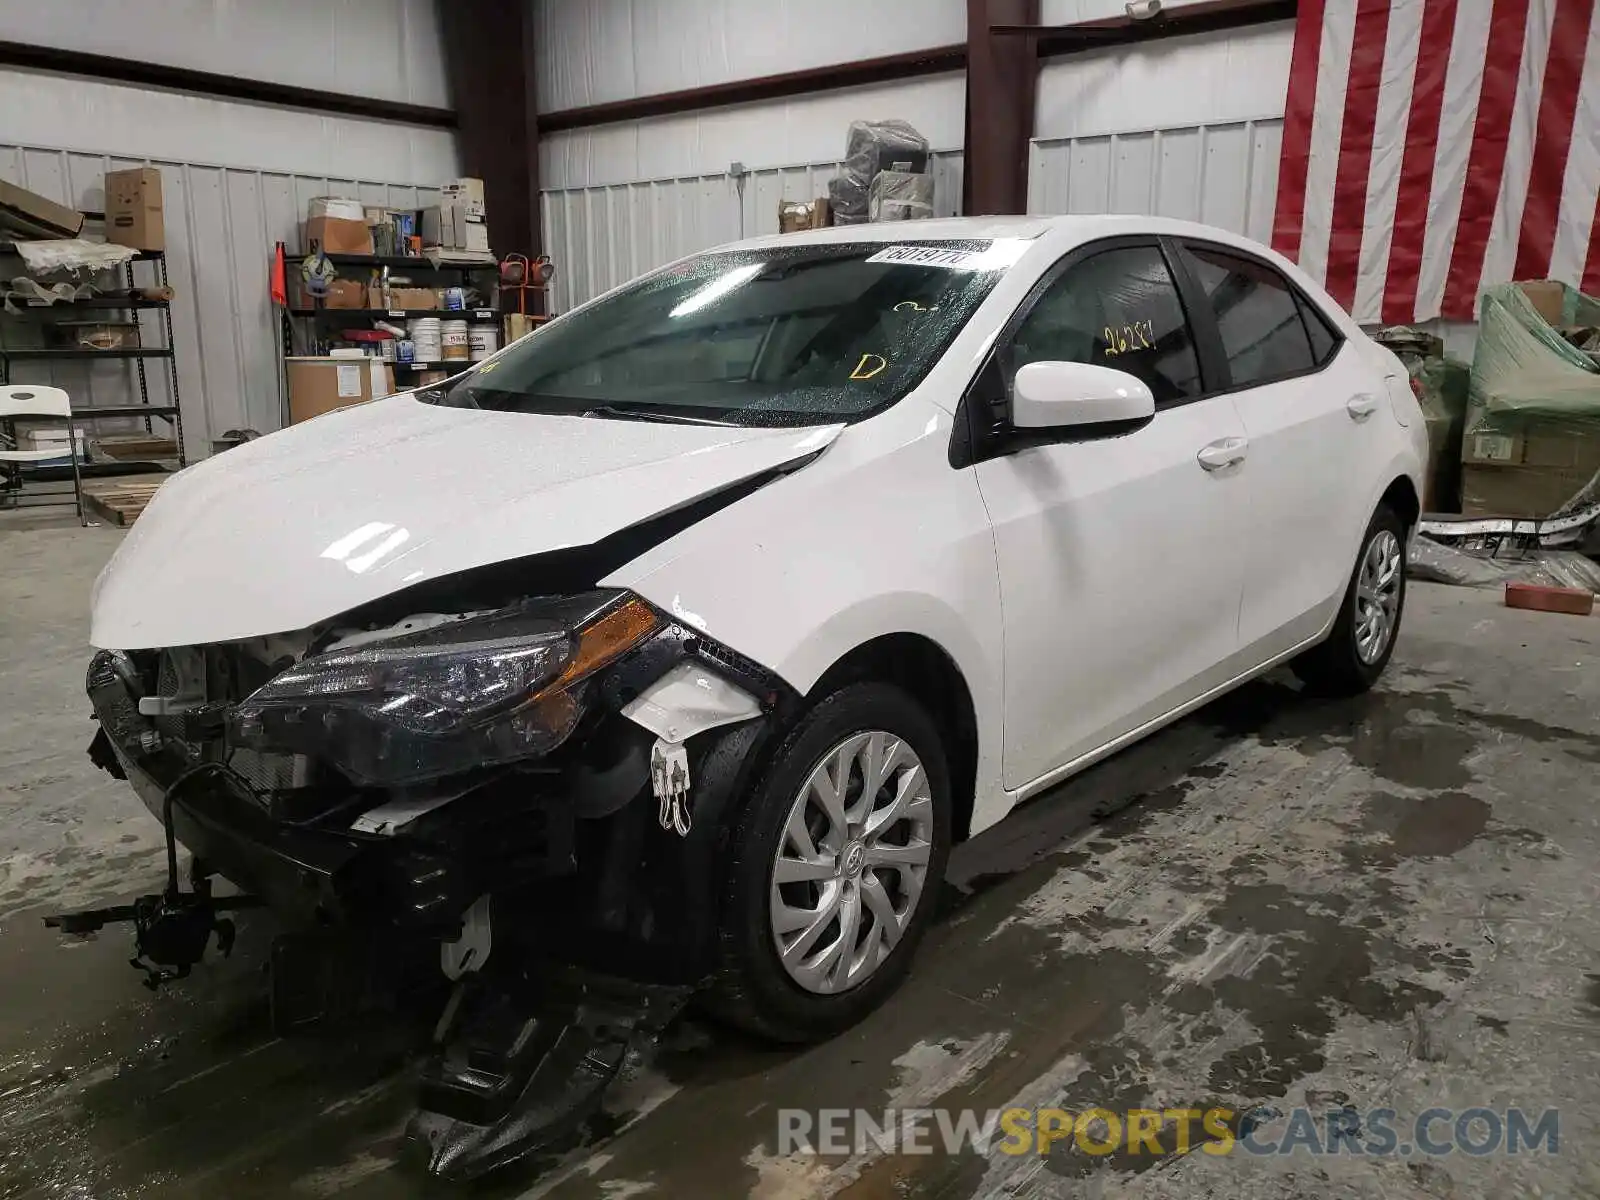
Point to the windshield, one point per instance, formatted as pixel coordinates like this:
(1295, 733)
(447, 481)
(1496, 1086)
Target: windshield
(799, 335)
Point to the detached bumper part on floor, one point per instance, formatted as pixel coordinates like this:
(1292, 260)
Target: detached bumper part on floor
(517, 1074)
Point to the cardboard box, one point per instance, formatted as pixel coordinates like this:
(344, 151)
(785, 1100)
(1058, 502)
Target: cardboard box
(796, 215)
(454, 227)
(32, 215)
(345, 293)
(343, 207)
(53, 438)
(1527, 469)
(134, 215)
(466, 190)
(1517, 491)
(520, 325)
(337, 235)
(403, 298)
(1547, 296)
(319, 385)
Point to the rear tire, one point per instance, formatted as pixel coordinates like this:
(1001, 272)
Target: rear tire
(1358, 647)
(880, 870)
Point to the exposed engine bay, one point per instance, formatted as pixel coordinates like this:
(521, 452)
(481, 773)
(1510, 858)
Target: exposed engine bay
(519, 803)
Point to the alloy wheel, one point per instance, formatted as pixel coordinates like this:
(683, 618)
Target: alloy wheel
(1378, 595)
(851, 862)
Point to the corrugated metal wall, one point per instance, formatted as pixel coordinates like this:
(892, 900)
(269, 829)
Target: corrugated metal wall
(385, 48)
(602, 236)
(1224, 174)
(592, 51)
(222, 223)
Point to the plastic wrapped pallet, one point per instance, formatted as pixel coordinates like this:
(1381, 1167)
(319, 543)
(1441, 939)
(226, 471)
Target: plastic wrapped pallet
(847, 197)
(873, 146)
(1441, 385)
(900, 196)
(1532, 437)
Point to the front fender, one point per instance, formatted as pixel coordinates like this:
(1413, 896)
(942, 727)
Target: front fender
(878, 536)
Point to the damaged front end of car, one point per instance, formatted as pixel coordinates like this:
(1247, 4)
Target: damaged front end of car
(527, 795)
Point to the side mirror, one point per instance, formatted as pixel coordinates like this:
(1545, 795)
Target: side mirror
(1068, 395)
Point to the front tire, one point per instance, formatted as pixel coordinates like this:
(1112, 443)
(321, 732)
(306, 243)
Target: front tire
(835, 867)
(1362, 639)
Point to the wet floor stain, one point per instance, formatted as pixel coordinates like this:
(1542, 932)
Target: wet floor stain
(1432, 826)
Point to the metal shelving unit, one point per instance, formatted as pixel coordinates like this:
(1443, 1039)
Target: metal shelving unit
(324, 321)
(129, 300)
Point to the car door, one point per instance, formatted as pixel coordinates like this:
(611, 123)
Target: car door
(1311, 411)
(1119, 556)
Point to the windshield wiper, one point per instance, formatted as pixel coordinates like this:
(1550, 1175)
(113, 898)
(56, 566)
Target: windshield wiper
(652, 414)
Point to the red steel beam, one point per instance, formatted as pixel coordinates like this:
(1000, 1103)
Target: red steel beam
(887, 68)
(489, 62)
(1002, 89)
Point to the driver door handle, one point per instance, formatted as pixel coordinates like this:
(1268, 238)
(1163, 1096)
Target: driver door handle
(1361, 406)
(1225, 452)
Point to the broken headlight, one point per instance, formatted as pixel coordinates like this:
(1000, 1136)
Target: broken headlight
(486, 690)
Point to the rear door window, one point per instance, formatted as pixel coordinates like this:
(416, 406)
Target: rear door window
(1264, 334)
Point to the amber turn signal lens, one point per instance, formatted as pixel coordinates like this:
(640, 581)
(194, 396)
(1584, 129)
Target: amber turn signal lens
(607, 640)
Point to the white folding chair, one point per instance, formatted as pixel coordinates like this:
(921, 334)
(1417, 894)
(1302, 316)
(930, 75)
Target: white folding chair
(33, 401)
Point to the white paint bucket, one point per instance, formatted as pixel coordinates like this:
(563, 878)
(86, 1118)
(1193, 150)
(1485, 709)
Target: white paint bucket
(427, 339)
(453, 335)
(483, 340)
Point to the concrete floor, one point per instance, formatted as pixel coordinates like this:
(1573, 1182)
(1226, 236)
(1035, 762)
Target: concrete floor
(1387, 903)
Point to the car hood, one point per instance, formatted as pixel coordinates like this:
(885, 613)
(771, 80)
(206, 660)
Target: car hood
(295, 528)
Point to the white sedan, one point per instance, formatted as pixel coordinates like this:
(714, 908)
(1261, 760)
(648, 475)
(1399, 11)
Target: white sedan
(683, 638)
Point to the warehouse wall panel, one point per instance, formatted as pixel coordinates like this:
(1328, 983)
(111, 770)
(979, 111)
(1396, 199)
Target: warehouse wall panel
(1215, 78)
(602, 236)
(596, 51)
(386, 49)
(1224, 174)
(221, 225)
(43, 109)
(762, 136)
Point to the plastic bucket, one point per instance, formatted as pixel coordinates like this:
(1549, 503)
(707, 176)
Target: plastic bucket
(453, 335)
(483, 340)
(427, 339)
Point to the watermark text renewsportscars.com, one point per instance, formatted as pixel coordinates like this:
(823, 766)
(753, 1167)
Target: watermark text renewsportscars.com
(1157, 1132)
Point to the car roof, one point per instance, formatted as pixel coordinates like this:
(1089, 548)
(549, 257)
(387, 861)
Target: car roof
(1072, 228)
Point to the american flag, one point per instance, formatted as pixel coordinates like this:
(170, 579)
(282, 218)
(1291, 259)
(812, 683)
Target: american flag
(1432, 148)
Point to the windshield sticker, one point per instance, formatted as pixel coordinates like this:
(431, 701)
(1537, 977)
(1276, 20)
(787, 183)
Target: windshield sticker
(930, 256)
(870, 365)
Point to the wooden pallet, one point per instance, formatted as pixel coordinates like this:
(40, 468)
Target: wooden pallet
(122, 446)
(118, 503)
